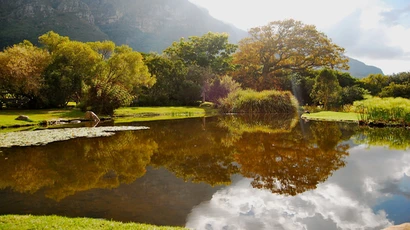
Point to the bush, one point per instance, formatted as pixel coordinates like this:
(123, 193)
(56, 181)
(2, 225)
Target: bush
(249, 101)
(384, 110)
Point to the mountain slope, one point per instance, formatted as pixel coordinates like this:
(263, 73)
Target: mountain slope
(359, 69)
(145, 25)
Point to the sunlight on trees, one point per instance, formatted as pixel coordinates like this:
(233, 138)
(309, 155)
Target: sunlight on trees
(289, 46)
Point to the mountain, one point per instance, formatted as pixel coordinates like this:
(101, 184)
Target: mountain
(359, 69)
(145, 25)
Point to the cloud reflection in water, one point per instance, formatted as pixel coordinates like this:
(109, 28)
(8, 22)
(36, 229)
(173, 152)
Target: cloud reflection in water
(347, 200)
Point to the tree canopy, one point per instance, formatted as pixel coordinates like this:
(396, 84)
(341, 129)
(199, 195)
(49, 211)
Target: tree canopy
(212, 50)
(285, 46)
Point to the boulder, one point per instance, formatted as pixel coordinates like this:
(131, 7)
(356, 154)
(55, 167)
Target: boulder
(23, 118)
(89, 115)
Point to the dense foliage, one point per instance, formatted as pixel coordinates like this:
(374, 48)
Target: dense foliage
(281, 48)
(99, 75)
(249, 101)
(283, 55)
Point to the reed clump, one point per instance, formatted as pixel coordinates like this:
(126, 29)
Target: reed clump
(388, 111)
(268, 101)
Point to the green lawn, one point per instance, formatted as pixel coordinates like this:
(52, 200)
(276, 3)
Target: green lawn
(332, 116)
(55, 222)
(126, 114)
(7, 117)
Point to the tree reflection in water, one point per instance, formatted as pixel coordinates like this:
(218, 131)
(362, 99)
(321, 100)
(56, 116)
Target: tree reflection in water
(278, 154)
(288, 162)
(393, 138)
(64, 168)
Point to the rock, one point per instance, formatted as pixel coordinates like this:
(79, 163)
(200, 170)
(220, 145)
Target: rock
(23, 118)
(405, 226)
(89, 115)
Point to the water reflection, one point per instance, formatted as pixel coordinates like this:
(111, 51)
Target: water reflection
(394, 138)
(65, 168)
(270, 173)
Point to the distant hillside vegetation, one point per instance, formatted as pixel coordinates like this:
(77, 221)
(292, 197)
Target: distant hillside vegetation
(359, 69)
(145, 25)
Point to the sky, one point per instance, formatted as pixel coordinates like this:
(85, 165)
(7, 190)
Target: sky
(376, 32)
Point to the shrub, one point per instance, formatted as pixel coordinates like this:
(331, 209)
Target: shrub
(249, 101)
(385, 110)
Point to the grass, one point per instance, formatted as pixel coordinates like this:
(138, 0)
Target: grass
(55, 222)
(384, 110)
(332, 116)
(7, 117)
(126, 114)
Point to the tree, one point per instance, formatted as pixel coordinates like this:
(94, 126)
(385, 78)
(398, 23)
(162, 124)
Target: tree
(21, 71)
(326, 89)
(72, 67)
(169, 75)
(221, 87)
(285, 46)
(208, 56)
(374, 83)
(396, 90)
(351, 94)
(211, 50)
(117, 81)
(345, 79)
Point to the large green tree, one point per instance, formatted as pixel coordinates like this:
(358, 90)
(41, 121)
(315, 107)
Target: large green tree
(374, 83)
(206, 57)
(73, 64)
(21, 72)
(212, 50)
(169, 74)
(284, 47)
(326, 90)
(117, 81)
(99, 74)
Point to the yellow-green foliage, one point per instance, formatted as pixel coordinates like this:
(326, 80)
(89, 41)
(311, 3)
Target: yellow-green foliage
(57, 222)
(394, 138)
(386, 110)
(268, 101)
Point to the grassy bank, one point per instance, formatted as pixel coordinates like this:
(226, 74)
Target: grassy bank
(56, 222)
(128, 114)
(332, 116)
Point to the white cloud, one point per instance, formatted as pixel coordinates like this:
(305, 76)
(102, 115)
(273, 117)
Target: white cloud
(345, 201)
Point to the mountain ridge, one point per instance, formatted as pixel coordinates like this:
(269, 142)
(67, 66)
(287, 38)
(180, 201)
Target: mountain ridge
(145, 25)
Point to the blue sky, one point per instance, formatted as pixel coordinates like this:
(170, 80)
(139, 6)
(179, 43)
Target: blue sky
(376, 32)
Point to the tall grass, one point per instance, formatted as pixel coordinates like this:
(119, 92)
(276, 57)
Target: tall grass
(249, 101)
(384, 110)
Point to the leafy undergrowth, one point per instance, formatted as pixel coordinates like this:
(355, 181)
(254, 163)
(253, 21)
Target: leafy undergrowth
(55, 222)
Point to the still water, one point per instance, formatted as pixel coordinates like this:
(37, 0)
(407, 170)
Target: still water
(219, 173)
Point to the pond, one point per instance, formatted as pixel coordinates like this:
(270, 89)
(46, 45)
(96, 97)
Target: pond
(227, 172)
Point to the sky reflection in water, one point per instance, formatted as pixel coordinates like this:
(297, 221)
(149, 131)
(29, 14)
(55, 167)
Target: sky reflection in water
(342, 176)
(353, 198)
